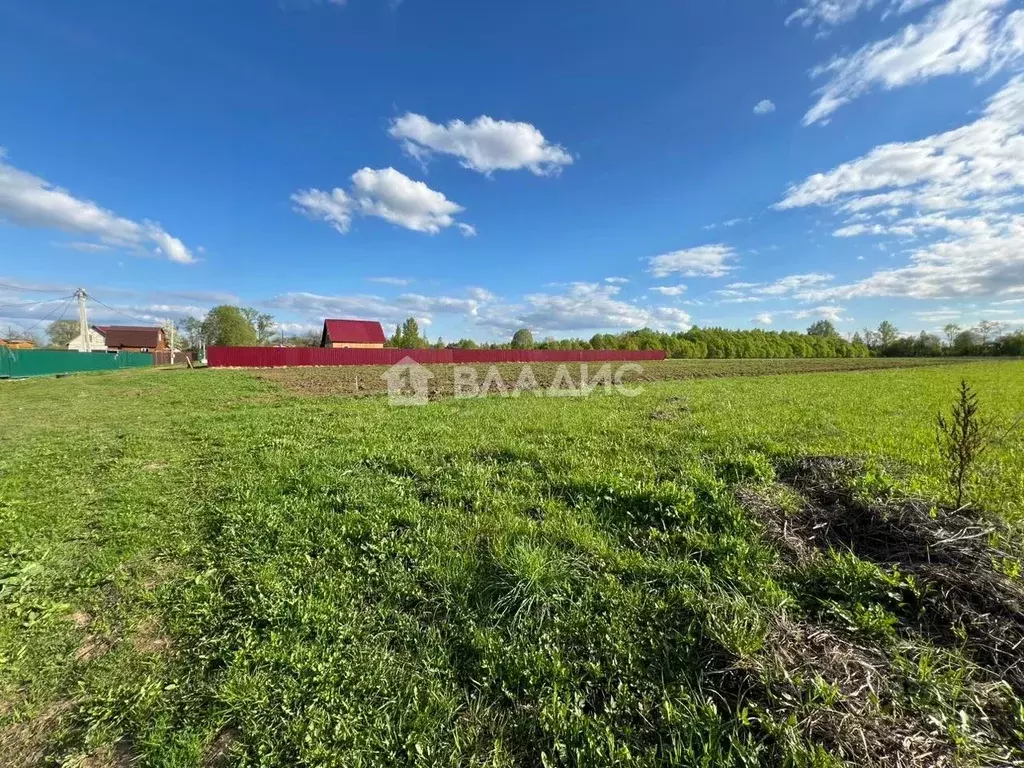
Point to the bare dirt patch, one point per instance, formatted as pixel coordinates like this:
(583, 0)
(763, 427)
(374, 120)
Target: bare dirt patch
(118, 756)
(360, 381)
(149, 637)
(218, 753)
(23, 744)
(93, 647)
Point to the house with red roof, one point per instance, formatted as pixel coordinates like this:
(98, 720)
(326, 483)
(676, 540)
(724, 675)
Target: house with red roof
(127, 338)
(352, 334)
(133, 338)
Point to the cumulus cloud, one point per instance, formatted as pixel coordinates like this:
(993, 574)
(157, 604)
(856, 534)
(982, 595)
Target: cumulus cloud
(386, 194)
(484, 145)
(765, 318)
(764, 107)
(29, 201)
(957, 193)
(334, 207)
(703, 261)
(959, 36)
(390, 280)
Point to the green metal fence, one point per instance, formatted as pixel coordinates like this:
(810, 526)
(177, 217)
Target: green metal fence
(22, 363)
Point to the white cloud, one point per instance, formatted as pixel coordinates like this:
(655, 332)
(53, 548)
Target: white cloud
(938, 315)
(974, 265)
(791, 286)
(960, 36)
(830, 13)
(727, 223)
(833, 313)
(617, 280)
(204, 297)
(390, 280)
(295, 329)
(480, 294)
(943, 172)
(703, 261)
(83, 246)
(29, 201)
(371, 307)
(581, 306)
(334, 207)
(957, 192)
(828, 312)
(669, 290)
(764, 107)
(385, 194)
(584, 306)
(484, 145)
(737, 299)
(395, 197)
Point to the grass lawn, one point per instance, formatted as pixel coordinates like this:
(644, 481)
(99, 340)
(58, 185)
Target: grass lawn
(204, 568)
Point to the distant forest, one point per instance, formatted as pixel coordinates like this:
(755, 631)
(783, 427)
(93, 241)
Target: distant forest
(820, 340)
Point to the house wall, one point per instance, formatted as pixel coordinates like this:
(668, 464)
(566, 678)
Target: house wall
(96, 341)
(344, 345)
(160, 346)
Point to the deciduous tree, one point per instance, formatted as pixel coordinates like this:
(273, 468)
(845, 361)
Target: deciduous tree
(522, 339)
(823, 329)
(228, 326)
(62, 332)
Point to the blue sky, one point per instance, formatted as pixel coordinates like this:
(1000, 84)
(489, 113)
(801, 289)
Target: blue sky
(571, 167)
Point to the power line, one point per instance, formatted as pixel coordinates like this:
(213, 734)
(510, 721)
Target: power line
(40, 320)
(32, 304)
(31, 290)
(118, 311)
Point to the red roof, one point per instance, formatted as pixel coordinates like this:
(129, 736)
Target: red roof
(353, 332)
(130, 336)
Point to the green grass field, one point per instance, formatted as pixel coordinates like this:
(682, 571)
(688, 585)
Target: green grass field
(205, 568)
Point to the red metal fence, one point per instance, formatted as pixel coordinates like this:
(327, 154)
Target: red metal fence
(282, 357)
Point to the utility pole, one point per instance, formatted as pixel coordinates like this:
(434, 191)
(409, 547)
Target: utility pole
(172, 341)
(83, 320)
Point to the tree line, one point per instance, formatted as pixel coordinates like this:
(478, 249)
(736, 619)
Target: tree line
(821, 339)
(232, 326)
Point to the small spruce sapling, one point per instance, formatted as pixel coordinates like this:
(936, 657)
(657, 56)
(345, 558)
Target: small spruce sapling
(962, 439)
